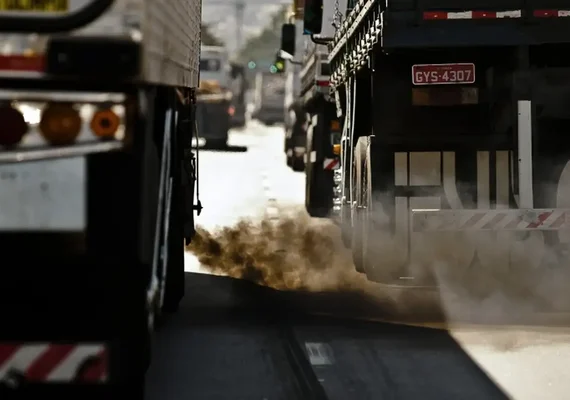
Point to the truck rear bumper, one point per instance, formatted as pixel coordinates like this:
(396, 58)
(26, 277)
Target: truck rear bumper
(52, 363)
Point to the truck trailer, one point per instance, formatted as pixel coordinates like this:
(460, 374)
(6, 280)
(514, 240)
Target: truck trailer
(454, 131)
(97, 199)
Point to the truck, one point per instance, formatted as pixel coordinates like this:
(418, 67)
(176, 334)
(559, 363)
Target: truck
(269, 97)
(214, 107)
(454, 116)
(98, 177)
(322, 131)
(295, 116)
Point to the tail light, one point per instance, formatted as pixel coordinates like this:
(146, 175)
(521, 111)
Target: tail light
(60, 124)
(13, 126)
(231, 111)
(105, 124)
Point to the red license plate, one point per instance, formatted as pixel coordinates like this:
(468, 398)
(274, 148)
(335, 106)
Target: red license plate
(443, 74)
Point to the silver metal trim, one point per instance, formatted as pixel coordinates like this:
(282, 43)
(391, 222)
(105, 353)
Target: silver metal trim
(16, 156)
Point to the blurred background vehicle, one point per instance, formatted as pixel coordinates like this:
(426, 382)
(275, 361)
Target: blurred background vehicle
(269, 97)
(214, 108)
(238, 86)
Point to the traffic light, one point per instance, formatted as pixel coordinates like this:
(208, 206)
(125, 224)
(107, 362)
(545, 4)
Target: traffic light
(278, 66)
(313, 17)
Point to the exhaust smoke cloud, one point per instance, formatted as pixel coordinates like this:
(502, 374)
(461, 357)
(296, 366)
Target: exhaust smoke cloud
(293, 252)
(289, 252)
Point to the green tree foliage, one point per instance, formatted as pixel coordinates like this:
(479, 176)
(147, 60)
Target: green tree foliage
(262, 48)
(208, 38)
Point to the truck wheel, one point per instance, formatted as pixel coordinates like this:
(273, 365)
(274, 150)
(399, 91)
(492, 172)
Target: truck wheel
(377, 237)
(358, 215)
(346, 227)
(174, 277)
(318, 184)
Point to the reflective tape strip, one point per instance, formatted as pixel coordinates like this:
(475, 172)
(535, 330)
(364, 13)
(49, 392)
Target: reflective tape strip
(331, 163)
(450, 15)
(493, 220)
(443, 15)
(49, 362)
(551, 13)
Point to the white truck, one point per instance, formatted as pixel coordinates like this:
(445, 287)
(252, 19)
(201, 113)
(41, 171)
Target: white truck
(214, 98)
(97, 178)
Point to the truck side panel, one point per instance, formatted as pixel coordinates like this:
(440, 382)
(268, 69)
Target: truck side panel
(168, 33)
(171, 38)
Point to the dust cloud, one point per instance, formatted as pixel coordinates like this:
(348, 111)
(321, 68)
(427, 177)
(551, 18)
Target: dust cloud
(286, 252)
(482, 278)
(294, 252)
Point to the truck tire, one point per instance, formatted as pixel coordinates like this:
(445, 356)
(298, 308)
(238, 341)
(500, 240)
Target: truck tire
(314, 198)
(318, 181)
(174, 285)
(378, 266)
(358, 256)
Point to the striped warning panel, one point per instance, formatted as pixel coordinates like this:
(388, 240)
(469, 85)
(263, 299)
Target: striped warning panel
(53, 363)
(331, 163)
(479, 14)
(490, 220)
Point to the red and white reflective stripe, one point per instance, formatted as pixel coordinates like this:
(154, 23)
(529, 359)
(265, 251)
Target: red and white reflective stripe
(443, 15)
(435, 15)
(22, 63)
(493, 220)
(331, 163)
(551, 13)
(49, 362)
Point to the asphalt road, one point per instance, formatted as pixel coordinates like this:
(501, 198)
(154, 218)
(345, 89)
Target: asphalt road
(236, 340)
